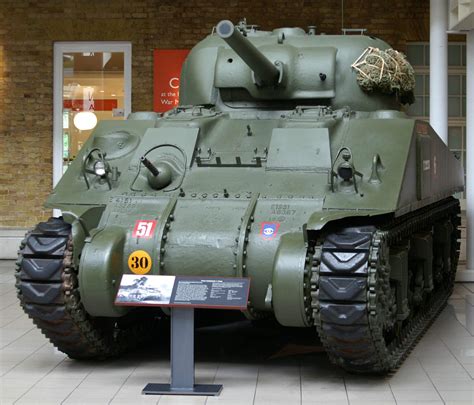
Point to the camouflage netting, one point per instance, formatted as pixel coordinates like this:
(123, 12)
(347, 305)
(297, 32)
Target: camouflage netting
(387, 71)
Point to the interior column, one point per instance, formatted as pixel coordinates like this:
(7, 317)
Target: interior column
(470, 149)
(439, 67)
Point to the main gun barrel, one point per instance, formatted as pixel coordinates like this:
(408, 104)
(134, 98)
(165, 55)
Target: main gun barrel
(267, 74)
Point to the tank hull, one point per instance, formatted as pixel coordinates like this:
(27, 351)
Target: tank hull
(217, 224)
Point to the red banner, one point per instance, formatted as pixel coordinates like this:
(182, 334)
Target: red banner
(166, 73)
(99, 105)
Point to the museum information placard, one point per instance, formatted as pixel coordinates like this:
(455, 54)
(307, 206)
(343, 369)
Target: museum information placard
(183, 291)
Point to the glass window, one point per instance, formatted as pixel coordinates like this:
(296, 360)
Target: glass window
(456, 88)
(463, 55)
(415, 54)
(455, 138)
(418, 54)
(454, 55)
(419, 88)
(454, 85)
(454, 106)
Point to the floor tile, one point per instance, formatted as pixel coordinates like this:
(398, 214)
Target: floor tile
(421, 402)
(372, 396)
(372, 402)
(469, 286)
(458, 395)
(416, 395)
(184, 400)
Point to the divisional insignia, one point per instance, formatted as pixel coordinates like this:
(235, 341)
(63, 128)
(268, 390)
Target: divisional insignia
(269, 229)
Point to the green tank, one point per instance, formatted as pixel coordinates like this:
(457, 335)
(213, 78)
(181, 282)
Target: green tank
(289, 161)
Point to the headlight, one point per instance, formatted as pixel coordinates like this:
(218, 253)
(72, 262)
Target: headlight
(345, 171)
(99, 168)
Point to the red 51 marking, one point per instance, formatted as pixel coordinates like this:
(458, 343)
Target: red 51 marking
(144, 229)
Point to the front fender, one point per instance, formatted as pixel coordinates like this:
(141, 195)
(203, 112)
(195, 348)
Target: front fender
(100, 272)
(288, 295)
(319, 219)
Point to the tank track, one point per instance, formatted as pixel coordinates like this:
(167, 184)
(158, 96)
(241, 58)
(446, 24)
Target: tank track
(47, 287)
(351, 297)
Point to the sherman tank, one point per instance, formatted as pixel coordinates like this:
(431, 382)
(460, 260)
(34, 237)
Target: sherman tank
(290, 161)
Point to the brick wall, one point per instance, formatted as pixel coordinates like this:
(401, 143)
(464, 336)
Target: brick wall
(29, 28)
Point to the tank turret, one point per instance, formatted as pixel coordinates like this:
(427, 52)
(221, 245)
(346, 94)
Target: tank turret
(241, 65)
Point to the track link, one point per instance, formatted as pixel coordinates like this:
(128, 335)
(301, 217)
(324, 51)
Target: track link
(47, 287)
(351, 291)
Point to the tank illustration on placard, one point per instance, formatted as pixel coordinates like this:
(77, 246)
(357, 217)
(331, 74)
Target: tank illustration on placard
(289, 161)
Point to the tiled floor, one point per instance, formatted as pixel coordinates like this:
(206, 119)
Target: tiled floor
(255, 365)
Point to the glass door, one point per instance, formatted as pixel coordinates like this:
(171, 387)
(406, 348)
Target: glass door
(92, 82)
